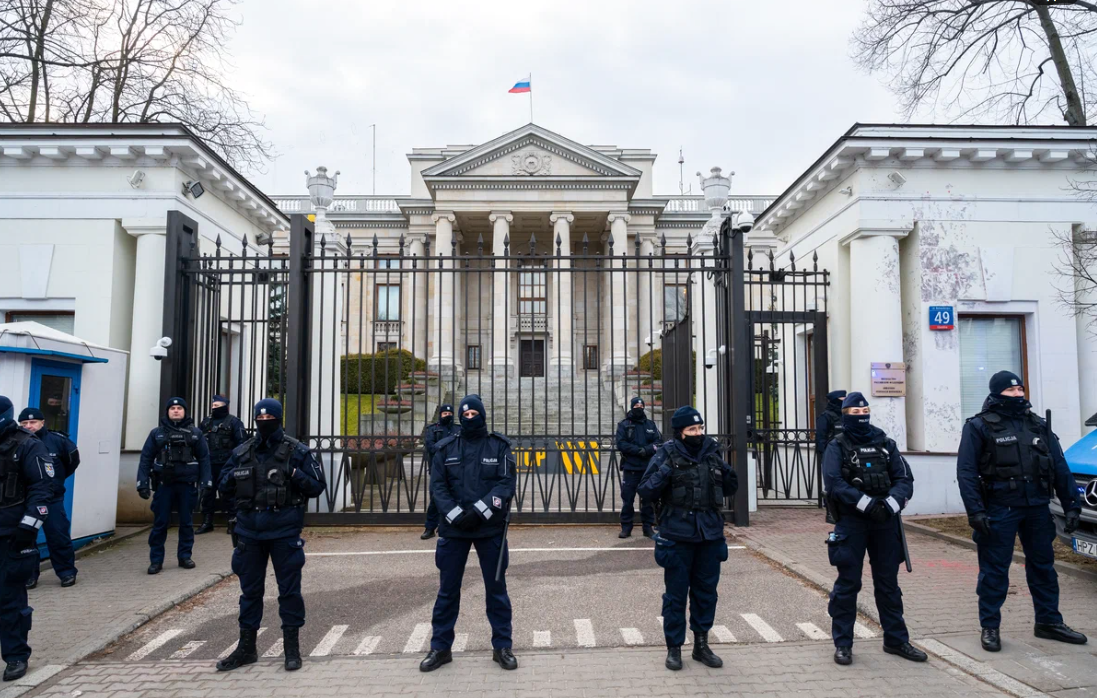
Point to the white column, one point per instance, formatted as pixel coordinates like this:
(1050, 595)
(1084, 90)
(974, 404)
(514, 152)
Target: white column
(620, 360)
(1087, 347)
(501, 360)
(876, 324)
(442, 333)
(645, 315)
(417, 303)
(143, 393)
(703, 317)
(563, 347)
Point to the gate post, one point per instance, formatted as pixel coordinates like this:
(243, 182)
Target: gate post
(178, 324)
(822, 384)
(299, 327)
(742, 366)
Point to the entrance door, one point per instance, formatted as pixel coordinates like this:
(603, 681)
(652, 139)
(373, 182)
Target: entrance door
(55, 389)
(532, 358)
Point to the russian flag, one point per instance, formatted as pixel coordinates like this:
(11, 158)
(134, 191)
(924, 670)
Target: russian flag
(521, 86)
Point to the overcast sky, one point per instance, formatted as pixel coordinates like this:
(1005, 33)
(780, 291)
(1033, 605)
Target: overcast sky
(761, 88)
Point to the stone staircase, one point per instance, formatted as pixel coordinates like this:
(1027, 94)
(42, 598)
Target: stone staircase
(579, 406)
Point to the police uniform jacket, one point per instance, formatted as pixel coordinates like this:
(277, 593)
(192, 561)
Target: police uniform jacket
(852, 502)
(305, 479)
(683, 523)
(473, 473)
(197, 470)
(825, 425)
(33, 473)
(63, 453)
(435, 433)
(637, 442)
(222, 437)
(976, 443)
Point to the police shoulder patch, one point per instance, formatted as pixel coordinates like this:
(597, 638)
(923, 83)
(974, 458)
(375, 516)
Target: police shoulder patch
(49, 468)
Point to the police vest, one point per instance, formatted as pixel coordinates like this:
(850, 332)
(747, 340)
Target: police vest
(265, 485)
(11, 471)
(1015, 454)
(631, 429)
(176, 448)
(219, 438)
(865, 466)
(696, 486)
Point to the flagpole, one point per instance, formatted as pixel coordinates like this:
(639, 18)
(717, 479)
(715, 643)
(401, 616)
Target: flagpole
(531, 98)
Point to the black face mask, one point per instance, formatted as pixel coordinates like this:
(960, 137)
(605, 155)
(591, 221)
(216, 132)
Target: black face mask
(266, 427)
(446, 421)
(1015, 406)
(693, 443)
(474, 428)
(220, 412)
(857, 426)
(636, 414)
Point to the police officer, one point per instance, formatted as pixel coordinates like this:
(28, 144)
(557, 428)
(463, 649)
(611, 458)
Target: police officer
(637, 439)
(829, 422)
(868, 484)
(272, 477)
(1008, 465)
(66, 458)
(472, 480)
(223, 432)
(26, 472)
(441, 429)
(174, 460)
(692, 480)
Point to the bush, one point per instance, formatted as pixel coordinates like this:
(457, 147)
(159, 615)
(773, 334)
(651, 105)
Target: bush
(357, 372)
(652, 362)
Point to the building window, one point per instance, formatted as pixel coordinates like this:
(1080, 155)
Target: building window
(674, 303)
(386, 346)
(387, 304)
(590, 357)
(60, 320)
(532, 296)
(472, 357)
(386, 261)
(988, 344)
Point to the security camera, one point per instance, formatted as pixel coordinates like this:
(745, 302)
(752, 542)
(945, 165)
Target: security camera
(898, 178)
(710, 358)
(264, 238)
(136, 179)
(160, 350)
(745, 222)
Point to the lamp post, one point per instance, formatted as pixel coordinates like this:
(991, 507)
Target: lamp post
(321, 194)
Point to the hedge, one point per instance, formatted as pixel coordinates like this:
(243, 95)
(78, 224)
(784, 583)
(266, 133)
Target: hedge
(357, 372)
(652, 362)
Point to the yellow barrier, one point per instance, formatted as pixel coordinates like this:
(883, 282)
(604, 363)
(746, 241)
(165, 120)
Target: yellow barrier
(578, 457)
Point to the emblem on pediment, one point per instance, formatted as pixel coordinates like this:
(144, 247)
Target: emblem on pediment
(531, 163)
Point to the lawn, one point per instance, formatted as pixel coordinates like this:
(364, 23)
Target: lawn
(957, 526)
(348, 412)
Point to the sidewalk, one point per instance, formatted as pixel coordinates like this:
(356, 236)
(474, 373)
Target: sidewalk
(940, 603)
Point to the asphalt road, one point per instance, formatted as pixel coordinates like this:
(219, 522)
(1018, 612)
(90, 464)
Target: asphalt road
(371, 591)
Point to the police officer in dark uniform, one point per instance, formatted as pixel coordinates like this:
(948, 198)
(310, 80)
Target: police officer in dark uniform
(26, 473)
(692, 481)
(223, 432)
(174, 461)
(868, 484)
(1008, 465)
(637, 439)
(441, 429)
(271, 477)
(66, 458)
(829, 422)
(472, 480)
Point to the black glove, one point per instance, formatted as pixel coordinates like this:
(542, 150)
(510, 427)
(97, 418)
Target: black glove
(467, 520)
(145, 492)
(979, 522)
(879, 512)
(1073, 517)
(24, 538)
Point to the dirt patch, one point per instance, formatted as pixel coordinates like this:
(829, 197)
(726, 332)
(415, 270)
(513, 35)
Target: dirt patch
(957, 526)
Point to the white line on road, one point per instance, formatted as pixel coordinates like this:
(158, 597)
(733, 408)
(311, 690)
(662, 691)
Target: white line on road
(328, 643)
(418, 638)
(155, 644)
(723, 634)
(632, 636)
(812, 631)
(232, 648)
(275, 649)
(460, 642)
(367, 646)
(584, 633)
(187, 649)
(768, 633)
(862, 632)
(542, 638)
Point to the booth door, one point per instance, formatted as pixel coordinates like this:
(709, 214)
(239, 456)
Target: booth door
(55, 389)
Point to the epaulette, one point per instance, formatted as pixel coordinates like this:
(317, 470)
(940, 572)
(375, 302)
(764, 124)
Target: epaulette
(446, 441)
(501, 437)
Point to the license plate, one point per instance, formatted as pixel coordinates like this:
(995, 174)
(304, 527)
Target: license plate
(1084, 547)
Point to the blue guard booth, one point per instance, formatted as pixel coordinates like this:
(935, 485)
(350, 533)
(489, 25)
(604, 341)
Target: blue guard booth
(80, 387)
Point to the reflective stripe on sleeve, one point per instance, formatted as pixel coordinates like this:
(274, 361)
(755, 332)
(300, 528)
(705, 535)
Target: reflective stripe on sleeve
(864, 502)
(893, 504)
(453, 514)
(31, 521)
(484, 509)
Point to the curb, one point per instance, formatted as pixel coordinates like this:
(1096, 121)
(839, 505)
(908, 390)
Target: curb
(98, 545)
(1067, 568)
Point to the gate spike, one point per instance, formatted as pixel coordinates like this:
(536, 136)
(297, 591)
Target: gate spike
(323, 242)
(559, 240)
(792, 259)
(506, 243)
(532, 244)
(453, 246)
(663, 242)
(586, 243)
(689, 244)
(402, 242)
(610, 245)
(770, 253)
(217, 244)
(350, 243)
(637, 243)
(815, 260)
(480, 244)
(750, 259)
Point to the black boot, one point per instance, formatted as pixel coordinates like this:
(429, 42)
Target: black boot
(649, 532)
(1060, 633)
(907, 651)
(188, 564)
(991, 640)
(15, 670)
(291, 646)
(155, 568)
(243, 654)
(703, 654)
(843, 655)
(505, 658)
(206, 527)
(427, 534)
(435, 659)
(674, 657)
(625, 533)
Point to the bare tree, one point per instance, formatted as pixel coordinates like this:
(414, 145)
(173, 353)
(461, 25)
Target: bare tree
(1014, 61)
(118, 61)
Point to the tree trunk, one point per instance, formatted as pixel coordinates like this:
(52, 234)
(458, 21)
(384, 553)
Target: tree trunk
(38, 67)
(1074, 114)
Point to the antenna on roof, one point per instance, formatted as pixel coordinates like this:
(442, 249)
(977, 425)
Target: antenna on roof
(681, 174)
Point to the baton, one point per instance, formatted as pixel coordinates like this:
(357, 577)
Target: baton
(903, 537)
(503, 547)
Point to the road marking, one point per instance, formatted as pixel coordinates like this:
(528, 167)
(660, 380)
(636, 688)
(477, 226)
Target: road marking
(328, 643)
(632, 636)
(584, 633)
(187, 649)
(367, 646)
(723, 634)
(275, 649)
(862, 631)
(542, 638)
(418, 638)
(154, 644)
(979, 669)
(232, 648)
(812, 631)
(460, 642)
(763, 628)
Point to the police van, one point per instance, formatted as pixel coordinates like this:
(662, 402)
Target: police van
(1082, 459)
